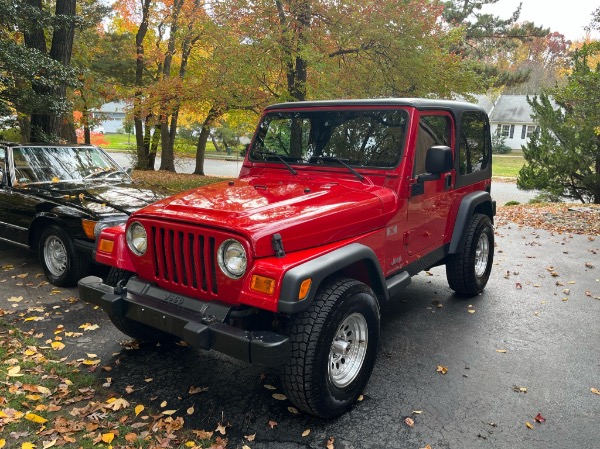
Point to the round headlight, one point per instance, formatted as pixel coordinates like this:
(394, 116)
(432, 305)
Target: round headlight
(137, 240)
(232, 259)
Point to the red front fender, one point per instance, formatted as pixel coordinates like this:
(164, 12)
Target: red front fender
(111, 248)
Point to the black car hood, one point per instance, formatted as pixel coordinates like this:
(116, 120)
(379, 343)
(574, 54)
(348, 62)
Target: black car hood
(101, 198)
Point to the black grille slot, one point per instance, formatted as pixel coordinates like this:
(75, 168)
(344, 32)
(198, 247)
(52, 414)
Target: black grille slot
(184, 258)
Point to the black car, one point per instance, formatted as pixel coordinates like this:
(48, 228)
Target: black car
(56, 199)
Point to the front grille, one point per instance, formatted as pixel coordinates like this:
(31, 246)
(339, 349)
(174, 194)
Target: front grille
(184, 258)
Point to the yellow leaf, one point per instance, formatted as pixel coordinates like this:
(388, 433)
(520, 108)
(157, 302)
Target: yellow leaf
(118, 404)
(14, 371)
(279, 396)
(45, 391)
(306, 433)
(33, 318)
(269, 387)
(35, 418)
(47, 444)
(27, 445)
(169, 412)
(501, 351)
(189, 444)
(2, 443)
(55, 179)
(15, 299)
(57, 345)
(90, 362)
(250, 437)
(139, 409)
(442, 369)
(108, 437)
(221, 429)
(163, 404)
(528, 424)
(190, 411)
(245, 446)
(595, 390)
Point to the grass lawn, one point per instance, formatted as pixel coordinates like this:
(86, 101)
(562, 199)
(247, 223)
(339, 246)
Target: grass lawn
(507, 165)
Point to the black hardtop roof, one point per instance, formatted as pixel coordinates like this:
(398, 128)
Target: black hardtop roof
(418, 103)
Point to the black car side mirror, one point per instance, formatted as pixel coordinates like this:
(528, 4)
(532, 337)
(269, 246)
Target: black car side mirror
(437, 161)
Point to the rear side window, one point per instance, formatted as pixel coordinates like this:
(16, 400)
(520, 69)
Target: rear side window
(474, 151)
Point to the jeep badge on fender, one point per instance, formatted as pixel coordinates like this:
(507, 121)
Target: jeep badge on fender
(338, 204)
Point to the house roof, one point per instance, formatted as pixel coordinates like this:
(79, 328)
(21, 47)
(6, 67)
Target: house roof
(511, 109)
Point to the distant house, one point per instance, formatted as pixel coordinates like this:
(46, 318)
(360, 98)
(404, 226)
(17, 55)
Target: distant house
(111, 116)
(511, 115)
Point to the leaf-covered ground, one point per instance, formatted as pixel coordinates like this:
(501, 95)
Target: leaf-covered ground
(556, 217)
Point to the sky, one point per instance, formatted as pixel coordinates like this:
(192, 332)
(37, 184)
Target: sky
(568, 18)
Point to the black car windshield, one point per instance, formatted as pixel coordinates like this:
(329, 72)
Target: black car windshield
(359, 138)
(63, 164)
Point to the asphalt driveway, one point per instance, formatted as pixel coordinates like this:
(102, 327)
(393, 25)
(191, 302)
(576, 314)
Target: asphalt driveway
(528, 345)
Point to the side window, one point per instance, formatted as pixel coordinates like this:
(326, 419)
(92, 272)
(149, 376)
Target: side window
(2, 164)
(433, 130)
(474, 152)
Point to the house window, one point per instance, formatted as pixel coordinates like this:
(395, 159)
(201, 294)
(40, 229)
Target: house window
(507, 130)
(527, 131)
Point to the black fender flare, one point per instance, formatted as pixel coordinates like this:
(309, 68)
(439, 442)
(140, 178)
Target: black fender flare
(320, 268)
(466, 210)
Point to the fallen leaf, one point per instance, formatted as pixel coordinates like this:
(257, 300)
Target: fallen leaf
(14, 371)
(250, 437)
(245, 446)
(48, 444)
(427, 446)
(27, 445)
(409, 421)
(221, 429)
(306, 433)
(519, 286)
(203, 434)
(539, 418)
(163, 404)
(330, 442)
(272, 424)
(169, 412)
(293, 410)
(529, 425)
(501, 351)
(57, 345)
(442, 369)
(279, 396)
(35, 418)
(196, 390)
(117, 404)
(269, 387)
(595, 391)
(139, 409)
(108, 437)
(190, 410)
(15, 299)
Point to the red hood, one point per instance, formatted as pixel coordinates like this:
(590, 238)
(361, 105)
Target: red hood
(305, 212)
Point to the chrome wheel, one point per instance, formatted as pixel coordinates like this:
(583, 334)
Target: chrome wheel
(348, 350)
(482, 253)
(55, 255)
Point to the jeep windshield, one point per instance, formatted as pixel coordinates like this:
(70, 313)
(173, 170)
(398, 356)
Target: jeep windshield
(371, 138)
(43, 165)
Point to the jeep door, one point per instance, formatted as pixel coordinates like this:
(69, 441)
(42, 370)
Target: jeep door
(430, 198)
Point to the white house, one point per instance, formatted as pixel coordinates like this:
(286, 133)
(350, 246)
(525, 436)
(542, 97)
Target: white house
(511, 114)
(111, 116)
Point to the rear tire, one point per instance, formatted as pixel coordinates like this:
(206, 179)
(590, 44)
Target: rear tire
(334, 346)
(469, 271)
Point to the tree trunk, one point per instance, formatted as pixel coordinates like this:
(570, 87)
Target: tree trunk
(202, 139)
(142, 144)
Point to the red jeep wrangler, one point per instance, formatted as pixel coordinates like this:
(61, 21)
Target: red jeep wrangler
(338, 204)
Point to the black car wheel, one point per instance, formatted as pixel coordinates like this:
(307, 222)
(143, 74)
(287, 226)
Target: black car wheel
(62, 263)
(334, 346)
(468, 272)
(116, 275)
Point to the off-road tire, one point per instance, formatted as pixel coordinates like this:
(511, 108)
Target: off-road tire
(115, 275)
(309, 377)
(469, 271)
(61, 262)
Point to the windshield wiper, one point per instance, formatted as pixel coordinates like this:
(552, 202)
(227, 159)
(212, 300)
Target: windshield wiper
(341, 162)
(273, 153)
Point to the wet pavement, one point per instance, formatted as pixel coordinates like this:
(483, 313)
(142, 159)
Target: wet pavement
(527, 345)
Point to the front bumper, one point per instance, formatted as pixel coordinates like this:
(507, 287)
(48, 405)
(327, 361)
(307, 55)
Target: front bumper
(199, 323)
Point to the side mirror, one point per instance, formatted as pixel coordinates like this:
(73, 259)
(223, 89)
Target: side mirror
(438, 159)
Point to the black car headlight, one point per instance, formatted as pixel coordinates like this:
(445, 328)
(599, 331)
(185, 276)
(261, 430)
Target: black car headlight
(232, 258)
(137, 239)
(101, 225)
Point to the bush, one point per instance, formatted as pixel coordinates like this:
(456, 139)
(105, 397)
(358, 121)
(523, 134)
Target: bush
(499, 144)
(10, 135)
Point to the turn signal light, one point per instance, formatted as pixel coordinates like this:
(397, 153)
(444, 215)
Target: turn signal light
(88, 228)
(106, 246)
(304, 289)
(262, 284)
